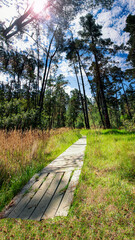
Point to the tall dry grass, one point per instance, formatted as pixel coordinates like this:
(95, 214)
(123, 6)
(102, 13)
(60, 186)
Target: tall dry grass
(17, 149)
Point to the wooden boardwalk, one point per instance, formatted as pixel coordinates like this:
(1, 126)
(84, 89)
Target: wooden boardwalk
(50, 192)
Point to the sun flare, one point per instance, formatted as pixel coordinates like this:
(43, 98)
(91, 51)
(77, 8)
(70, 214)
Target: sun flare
(38, 5)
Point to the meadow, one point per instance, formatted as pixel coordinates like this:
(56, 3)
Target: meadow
(103, 206)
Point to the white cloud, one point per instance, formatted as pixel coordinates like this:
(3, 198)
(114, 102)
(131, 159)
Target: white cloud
(75, 25)
(10, 10)
(120, 62)
(110, 33)
(116, 11)
(104, 18)
(132, 6)
(3, 77)
(68, 90)
(113, 22)
(129, 4)
(6, 12)
(65, 69)
(120, 23)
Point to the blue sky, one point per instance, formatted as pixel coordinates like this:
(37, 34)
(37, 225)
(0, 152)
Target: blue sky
(113, 22)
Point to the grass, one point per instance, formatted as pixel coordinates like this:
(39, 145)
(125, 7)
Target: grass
(103, 206)
(24, 154)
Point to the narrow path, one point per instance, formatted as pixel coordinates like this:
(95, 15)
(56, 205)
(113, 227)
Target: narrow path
(50, 192)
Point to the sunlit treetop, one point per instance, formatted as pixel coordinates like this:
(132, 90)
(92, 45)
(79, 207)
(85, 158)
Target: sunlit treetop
(59, 11)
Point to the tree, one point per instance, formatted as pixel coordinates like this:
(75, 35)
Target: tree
(61, 100)
(55, 103)
(74, 108)
(118, 77)
(62, 11)
(73, 55)
(56, 40)
(130, 28)
(91, 35)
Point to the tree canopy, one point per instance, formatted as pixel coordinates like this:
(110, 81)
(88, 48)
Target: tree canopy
(35, 95)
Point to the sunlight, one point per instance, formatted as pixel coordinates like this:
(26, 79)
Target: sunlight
(38, 5)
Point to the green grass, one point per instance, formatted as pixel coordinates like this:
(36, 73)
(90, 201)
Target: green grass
(103, 206)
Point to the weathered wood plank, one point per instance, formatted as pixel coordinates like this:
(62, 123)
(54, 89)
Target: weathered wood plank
(55, 202)
(26, 198)
(68, 197)
(40, 209)
(19, 196)
(70, 159)
(65, 164)
(25, 214)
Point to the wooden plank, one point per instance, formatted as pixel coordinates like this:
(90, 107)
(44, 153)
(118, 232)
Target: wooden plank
(55, 202)
(19, 196)
(71, 158)
(40, 209)
(66, 164)
(68, 197)
(26, 198)
(25, 214)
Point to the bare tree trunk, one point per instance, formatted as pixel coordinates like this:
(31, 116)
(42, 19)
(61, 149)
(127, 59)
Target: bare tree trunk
(96, 99)
(38, 68)
(101, 90)
(44, 83)
(82, 102)
(85, 101)
(126, 99)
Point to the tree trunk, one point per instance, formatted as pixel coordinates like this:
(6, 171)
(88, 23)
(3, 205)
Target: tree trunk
(126, 99)
(101, 92)
(44, 83)
(82, 102)
(18, 90)
(38, 68)
(46, 73)
(96, 99)
(84, 94)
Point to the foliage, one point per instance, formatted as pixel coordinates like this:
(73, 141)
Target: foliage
(129, 125)
(62, 13)
(79, 121)
(34, 95)
(14, 114)
(130, 28)
(73, 108)
(99, 48)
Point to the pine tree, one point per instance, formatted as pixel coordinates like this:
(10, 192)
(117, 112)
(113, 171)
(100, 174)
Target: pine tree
(91, 36)
(130, 28)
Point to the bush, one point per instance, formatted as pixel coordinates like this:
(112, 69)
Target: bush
(129, 124)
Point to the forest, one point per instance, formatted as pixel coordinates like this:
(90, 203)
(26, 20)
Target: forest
(34, 94)
(62, 79)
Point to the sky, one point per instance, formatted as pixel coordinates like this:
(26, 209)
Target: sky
(113, 22)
